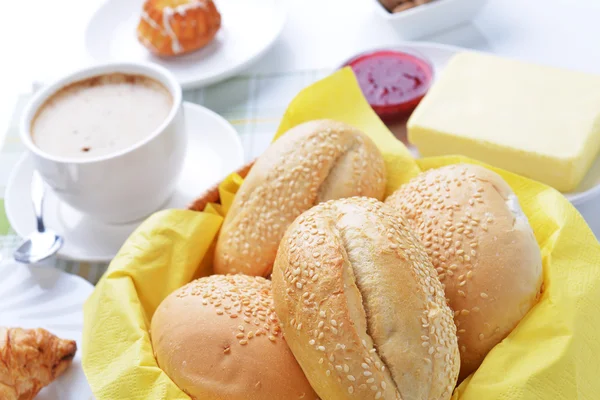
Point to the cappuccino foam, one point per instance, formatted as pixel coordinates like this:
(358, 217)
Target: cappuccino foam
(101, 115)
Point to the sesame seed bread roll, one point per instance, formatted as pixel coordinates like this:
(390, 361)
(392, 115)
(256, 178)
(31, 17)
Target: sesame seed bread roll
(311, 163)
(218, 338)
(361, 306)
(482, 247)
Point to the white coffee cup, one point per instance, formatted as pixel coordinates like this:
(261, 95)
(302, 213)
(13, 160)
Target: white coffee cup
(126, 185)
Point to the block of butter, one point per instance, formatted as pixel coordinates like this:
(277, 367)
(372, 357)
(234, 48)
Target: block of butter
(539, 122)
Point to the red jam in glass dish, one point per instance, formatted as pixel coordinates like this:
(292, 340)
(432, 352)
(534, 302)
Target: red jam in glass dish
(393, 82)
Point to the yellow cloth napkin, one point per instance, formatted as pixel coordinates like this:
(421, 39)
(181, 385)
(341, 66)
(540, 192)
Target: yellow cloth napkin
(552, 354)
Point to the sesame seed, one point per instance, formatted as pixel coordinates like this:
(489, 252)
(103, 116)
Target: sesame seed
(321, 348)
(351, 378)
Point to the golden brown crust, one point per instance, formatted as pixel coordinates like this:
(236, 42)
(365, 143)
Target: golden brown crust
(483, 248)
(173, 27)
(361, 306)
(395, 6)
(31, 359)
(392, 4)
(313, 162)
(219, 338)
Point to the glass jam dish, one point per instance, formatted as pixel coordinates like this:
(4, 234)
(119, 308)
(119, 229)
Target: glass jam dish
(392, 80)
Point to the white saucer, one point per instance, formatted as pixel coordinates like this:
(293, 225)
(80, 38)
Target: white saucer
(43, 297)
(248, 30)
(214, 151)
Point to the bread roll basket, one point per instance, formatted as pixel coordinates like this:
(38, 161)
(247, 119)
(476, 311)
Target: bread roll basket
(551, 354)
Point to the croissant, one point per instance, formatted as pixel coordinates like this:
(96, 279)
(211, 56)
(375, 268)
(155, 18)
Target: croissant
(31, 359)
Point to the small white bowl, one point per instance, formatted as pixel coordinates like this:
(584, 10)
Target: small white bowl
(430, 18)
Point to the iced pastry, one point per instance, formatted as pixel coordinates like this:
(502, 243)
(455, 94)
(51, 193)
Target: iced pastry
(173, 27)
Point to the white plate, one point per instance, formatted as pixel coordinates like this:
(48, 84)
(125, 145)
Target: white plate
(214, 151)
(439, 55)
(249, 28)
(42, 297)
